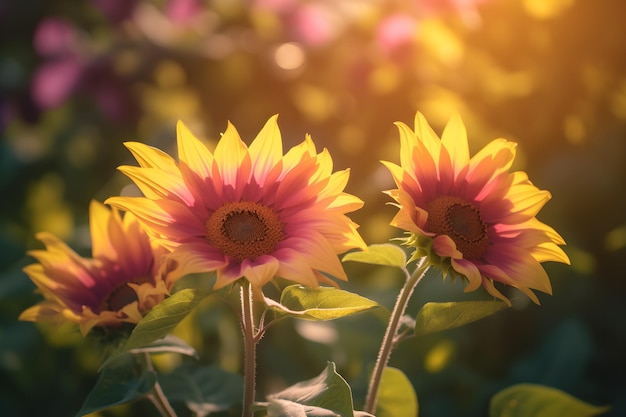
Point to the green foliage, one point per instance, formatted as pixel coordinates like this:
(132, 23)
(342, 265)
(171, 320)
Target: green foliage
(396, 396)
(322, 303)
(119, 382)
(168, 344)
(159, 322)
(164, 317)
(524, 400)
(325, 395)
(380, 254)
(435, 317)
(203, 389)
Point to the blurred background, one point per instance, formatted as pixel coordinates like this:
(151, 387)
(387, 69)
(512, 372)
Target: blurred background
(80, 77)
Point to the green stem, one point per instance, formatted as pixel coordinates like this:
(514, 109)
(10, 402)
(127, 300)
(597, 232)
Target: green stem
(249, 345)
(157, 396)
(387, 344)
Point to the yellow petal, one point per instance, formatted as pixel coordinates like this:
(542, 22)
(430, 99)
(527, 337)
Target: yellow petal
(229, 156)
(408, 143)
(150, 157)
(101, 222)
(266, 150)
(454, 139)
(491, 289)
(261, 270)
(427, 135)
(396, 172)
(192, 153)
(156, 184)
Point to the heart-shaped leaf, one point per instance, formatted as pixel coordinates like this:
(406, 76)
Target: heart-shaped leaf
(322, 303)
(380, 254)
(524, 400)
(325, 395)
(120, 382)
(204, 390)
(161, 320)
(168, 344)
(434, 317)
(396, 396)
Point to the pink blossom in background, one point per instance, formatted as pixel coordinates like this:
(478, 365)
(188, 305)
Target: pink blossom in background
(396, 31)
(54, 37)
(182, 11)
(54, 81)
(313, 25)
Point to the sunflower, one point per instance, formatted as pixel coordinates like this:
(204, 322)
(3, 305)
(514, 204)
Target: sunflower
(127, 276)
(472, 217)
(245, 211)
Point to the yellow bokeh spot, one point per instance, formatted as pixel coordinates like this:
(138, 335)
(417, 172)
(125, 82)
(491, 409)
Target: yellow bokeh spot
(384, 79)
(315, 103)
(441, 41)
(267, 25)
(169, 74)
(616, 239)
(352, 139)
(618, 101)
(574, 129)
(582, 261)
(439, 356)
(439, 104)
(47, 209)
(546, 9)
(228, 8)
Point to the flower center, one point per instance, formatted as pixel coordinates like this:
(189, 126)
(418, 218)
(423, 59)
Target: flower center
(118, 298)
(244, 230)
(452, 216)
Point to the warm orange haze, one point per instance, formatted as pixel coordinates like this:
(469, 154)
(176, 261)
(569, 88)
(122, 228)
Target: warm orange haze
(312, 207)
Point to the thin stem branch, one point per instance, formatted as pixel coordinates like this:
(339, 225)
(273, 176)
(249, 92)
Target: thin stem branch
(249, 345)
(157, 396)
(391, 333)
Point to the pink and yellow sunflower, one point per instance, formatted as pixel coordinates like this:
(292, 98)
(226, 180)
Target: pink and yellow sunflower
(245, 211)
(473, 217)
(127, 276)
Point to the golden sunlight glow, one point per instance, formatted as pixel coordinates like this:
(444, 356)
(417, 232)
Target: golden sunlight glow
(546, 9)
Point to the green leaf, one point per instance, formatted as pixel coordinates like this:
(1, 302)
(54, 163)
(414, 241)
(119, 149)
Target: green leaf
(325, 395)
(322, 303)
(380, 254)
(161, 320)
(164, 317)
(119, 383)
(168, 344)
(434, 317)
(396, 396)
(524, 400)
(204, 390)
